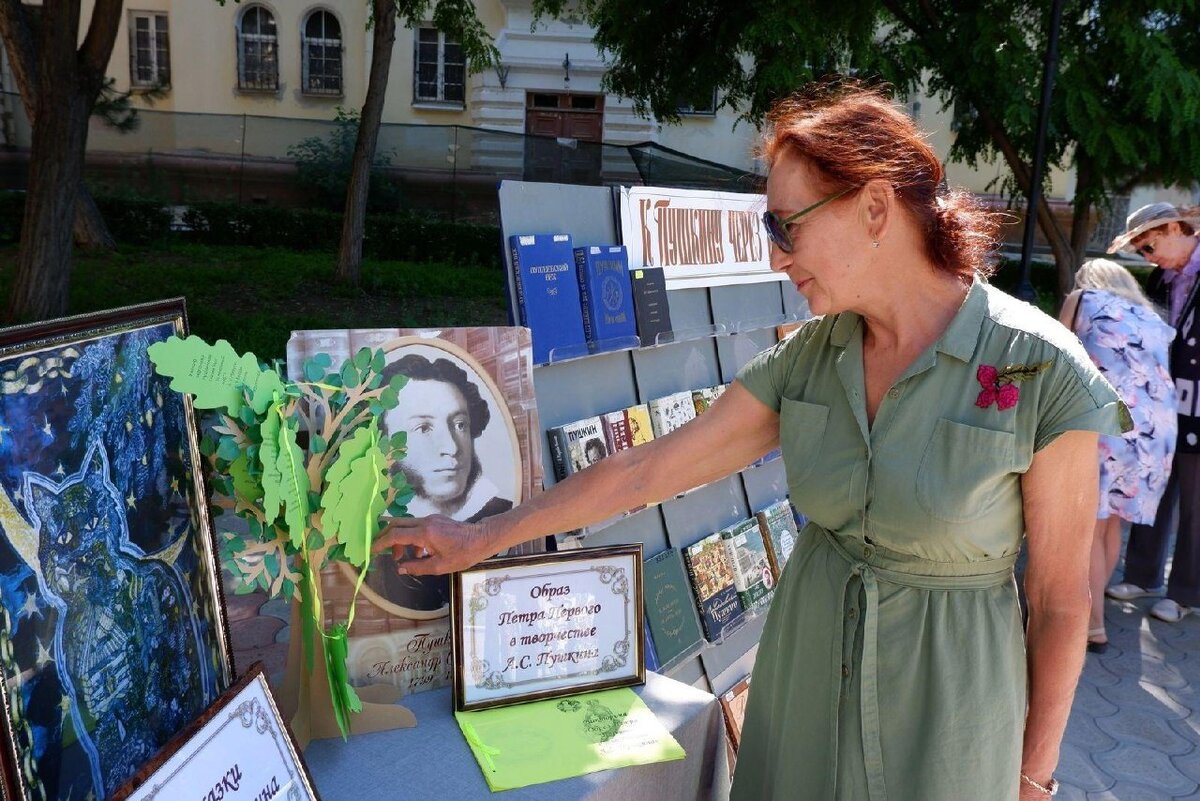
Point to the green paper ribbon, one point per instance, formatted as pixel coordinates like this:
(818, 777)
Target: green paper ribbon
(345, 699)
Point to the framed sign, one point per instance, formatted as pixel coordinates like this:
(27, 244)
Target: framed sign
(113, 635)
(543, 626)
(698, 237)
(240, 747)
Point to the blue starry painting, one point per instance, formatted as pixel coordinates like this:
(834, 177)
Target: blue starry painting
(112, 637)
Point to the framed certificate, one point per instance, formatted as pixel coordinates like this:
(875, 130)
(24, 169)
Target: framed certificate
(240, 747)
(547, 625)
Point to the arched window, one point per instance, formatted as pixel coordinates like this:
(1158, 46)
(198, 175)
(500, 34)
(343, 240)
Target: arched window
(258, 50)
(321, 48)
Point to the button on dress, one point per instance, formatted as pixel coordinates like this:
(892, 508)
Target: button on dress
(892, 663)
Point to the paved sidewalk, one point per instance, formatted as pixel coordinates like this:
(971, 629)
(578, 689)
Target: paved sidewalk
(1134, 731)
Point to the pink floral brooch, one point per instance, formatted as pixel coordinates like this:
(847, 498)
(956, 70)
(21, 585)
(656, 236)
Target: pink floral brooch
(1000, 386)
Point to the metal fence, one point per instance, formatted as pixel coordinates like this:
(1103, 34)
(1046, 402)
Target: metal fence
(449, 168)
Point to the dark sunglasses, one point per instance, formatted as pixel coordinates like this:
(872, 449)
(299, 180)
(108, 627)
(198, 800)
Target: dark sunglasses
(776, 226)
(1145, 250)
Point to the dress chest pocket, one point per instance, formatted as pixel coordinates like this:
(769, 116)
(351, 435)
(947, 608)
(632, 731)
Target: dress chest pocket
(965, 471)
(801, 433)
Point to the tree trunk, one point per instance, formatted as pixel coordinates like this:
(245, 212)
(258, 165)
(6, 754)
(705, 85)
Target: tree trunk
(355, 215)
(90, 229)
(1081, 219)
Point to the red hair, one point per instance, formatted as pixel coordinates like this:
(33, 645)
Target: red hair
(853, 134)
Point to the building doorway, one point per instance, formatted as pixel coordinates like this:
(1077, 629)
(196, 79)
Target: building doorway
(563, 135)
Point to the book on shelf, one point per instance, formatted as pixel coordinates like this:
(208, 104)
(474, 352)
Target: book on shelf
(670, 609)
(785, 330)
(605, 294)
(706, 396)
(752, 574)
(733, 707)
(671, 412)
(576, 445)
(626, 428)
(650, 306)
(778, 528)
(712, 581)
(543, 272)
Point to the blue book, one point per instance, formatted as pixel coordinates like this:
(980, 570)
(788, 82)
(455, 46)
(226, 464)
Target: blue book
(651, 657)
(604, 293)
(547, 292)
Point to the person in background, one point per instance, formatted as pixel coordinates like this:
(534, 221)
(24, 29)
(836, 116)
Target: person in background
(1130, 343)
(1166, 237)
(928, 423)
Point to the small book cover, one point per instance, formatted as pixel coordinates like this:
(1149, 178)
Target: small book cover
(576, 445)
(605, 294)
(671, 412)
(747, 555)
(627, 427)
(712, 579)
(733, 705)
(651, 653)
(705, 397)
(670, 610)
(650, 306)
(778, 528)
(547, 291)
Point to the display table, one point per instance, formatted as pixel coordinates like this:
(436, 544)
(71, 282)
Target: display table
(433, 761)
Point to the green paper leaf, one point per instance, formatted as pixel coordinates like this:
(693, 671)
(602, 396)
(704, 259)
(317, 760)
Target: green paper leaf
(353, 498)
(345, 699)
(228, 449)
(268, 457)
(362, 359)
(244, 485)
(312, 370)
(398, 381)
(262, 392)
(244, 589)
(378, 361)
(293, 487)
(317, 443)
(349, 375)
(212, 374)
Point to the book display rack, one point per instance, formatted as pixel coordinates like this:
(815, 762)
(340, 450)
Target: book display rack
(714, 331)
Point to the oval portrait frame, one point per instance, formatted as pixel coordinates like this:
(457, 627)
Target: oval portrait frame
(485, 381)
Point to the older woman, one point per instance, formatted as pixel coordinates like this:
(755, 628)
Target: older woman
(927, 423)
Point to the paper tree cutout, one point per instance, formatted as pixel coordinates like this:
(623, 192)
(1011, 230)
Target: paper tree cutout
(263, 474)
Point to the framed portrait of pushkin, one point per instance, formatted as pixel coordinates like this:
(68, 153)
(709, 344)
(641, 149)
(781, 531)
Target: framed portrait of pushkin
(113, 635)
(469, 418)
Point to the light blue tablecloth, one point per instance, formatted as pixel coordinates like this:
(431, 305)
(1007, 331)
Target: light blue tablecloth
(433, 763)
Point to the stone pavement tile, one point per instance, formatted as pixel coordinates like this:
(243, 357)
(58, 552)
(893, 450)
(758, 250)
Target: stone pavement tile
(1084, 733)
(1089, 701)
(1097, 674)
(243, 607)
(1189, 729)
(272, 656)
(1189, 764)
(1129, 791)
(1078, 769)
(1142, 726)
(1128, 695)
(1163, 673)
(1171, 632)
(1068, 793)
(1143, 766)
(277, 607)
(255, 632)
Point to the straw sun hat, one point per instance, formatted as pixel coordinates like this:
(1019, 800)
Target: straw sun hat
(1148, 217)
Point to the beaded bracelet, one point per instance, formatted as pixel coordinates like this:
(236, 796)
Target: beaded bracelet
(1051, 790)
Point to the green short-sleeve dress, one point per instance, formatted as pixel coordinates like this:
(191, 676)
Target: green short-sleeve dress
(892, 664)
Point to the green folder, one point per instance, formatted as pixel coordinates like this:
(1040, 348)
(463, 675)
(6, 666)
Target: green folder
(561, 738)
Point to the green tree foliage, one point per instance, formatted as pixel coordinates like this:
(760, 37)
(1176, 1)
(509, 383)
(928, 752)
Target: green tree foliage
(1126, 98)
(323, 167)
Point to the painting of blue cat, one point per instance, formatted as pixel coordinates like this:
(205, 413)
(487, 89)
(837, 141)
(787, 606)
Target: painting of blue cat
(112, 629)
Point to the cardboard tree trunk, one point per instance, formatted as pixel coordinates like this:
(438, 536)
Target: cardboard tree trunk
(306, 701)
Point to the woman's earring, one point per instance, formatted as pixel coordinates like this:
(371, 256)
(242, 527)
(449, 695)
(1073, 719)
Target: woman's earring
(874, 243)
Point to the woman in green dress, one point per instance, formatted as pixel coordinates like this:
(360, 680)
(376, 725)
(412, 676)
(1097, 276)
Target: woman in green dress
(928, 423)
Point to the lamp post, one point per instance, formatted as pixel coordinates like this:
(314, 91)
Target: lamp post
(1025, 290)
